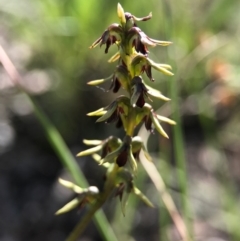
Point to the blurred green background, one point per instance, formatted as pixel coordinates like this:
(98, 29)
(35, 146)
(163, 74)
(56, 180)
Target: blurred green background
(48, 41)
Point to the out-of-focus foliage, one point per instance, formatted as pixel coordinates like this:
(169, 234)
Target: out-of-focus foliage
(48, 41)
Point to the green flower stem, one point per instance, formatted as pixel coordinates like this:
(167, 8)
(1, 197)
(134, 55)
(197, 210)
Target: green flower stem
(108, 188)
(178, 140)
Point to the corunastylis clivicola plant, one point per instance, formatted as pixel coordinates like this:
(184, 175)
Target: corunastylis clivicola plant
(120, 157)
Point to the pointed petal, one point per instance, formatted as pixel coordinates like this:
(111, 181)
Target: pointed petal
(90, 151)
(114, 58)
(96, 42)
(165, 119)
(97, 158)
(121, 14)
(71, 186)
(158, 126)
(143, 197)
(111, 109)
(160, 42)
(98, 112)
(157, 94)
(99, 81)
(163, 70)
(92, 142)
(165, 66)
(143, 18)
(146, 40)
(69, 206)
(106, 116)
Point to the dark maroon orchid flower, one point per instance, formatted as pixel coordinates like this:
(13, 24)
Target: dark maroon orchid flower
(110, 36)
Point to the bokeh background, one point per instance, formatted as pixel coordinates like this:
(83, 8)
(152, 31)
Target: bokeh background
(48, 42)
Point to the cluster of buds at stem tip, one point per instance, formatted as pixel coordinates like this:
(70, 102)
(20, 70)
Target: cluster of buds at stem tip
(127, 111)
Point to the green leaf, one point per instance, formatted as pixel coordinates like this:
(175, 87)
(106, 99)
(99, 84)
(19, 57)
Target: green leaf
(161, 67)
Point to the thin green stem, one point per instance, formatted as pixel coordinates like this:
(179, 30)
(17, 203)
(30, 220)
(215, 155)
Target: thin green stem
(108, 188)
(59, 145)
(177, 131)
(80, 227)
